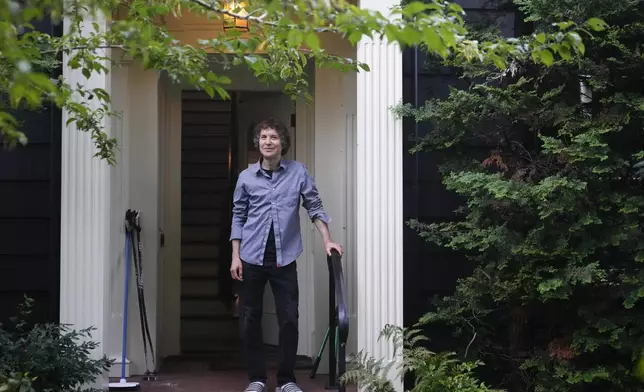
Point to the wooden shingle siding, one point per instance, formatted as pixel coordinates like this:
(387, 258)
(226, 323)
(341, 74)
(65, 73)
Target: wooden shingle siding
(30, 212)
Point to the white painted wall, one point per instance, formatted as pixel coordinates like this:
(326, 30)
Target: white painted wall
(135, 183)
(334, 171)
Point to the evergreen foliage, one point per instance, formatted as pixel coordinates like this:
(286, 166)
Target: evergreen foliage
(553, 207)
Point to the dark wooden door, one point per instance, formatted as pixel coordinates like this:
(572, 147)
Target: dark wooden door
(207, 181)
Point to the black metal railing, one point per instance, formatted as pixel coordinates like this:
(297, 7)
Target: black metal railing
(338, 318)
(338, 330)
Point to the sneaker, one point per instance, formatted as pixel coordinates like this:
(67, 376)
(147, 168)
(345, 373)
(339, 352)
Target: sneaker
(255, 386)
(288, 387)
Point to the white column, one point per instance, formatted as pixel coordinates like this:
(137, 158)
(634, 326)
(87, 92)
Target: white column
(379, 264)
(85, 225)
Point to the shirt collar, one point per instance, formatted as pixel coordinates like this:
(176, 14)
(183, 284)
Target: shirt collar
(257, 166)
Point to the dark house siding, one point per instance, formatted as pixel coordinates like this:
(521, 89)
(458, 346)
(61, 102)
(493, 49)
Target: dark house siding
(429, 270)
(30, 213)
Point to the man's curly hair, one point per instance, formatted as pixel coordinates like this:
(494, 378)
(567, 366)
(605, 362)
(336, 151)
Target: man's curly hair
(279, 127)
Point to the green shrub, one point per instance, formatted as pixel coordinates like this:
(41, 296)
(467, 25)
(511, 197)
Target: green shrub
(553, 214)
(430, 372)
(16, 382)
(58, 358)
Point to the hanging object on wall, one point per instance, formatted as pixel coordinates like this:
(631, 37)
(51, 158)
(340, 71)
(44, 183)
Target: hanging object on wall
(239, 21)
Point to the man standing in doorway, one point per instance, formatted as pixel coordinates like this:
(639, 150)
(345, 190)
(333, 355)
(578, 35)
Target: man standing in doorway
(266, 241)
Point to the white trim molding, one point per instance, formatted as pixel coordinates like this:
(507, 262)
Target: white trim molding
(379, 195)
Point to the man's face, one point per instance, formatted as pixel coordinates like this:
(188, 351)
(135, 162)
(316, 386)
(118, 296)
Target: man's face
(270, 145)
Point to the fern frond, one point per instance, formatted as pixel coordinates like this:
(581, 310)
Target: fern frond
(431, 371)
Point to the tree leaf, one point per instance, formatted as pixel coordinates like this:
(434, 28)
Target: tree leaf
(597, 24)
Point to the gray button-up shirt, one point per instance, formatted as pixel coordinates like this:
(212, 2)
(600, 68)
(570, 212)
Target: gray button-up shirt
(259, 200)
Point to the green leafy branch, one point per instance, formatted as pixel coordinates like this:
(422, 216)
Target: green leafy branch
(284, 38)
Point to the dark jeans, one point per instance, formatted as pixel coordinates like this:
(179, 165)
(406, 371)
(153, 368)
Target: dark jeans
(283, 282)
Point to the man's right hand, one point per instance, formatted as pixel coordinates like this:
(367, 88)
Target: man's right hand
(236, 269)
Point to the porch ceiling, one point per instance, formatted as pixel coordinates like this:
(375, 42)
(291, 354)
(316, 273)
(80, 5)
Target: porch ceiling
(191, 27)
